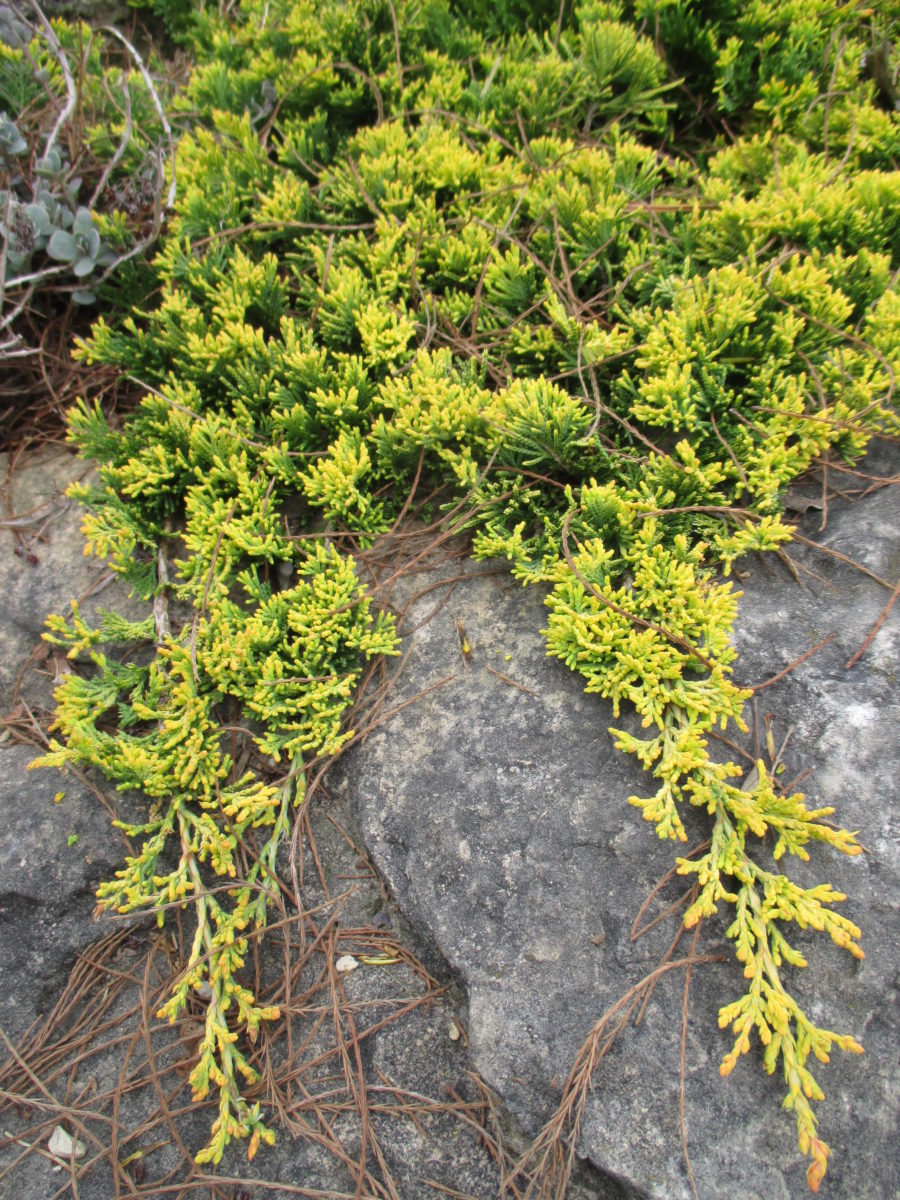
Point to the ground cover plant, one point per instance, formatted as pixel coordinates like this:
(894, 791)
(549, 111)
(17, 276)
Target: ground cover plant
(83, 138)
(600, 289)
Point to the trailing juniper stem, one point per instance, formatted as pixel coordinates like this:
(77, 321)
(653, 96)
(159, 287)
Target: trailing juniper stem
(220, 953)
(767, 1006)
(782, 1027)
(235, 1117)
(262, 873)
(678, 757)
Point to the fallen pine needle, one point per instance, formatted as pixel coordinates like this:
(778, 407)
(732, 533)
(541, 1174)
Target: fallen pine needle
(872, 632)
(758, 687)
(512, 682)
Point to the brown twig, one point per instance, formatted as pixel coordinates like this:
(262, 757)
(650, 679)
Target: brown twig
(758, 687)
(512, 682)
(882, 617)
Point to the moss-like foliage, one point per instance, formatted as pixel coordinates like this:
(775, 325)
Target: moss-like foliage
(401, 247)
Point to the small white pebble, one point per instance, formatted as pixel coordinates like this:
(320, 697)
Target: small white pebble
(61, 1144)
(453, 1031)
(346, 963)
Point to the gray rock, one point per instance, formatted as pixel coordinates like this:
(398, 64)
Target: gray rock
(53, 854)
(56, 847)
(42, 567)
(495, 807)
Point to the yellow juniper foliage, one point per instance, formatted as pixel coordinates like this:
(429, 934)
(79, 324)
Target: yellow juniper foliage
(423, 238)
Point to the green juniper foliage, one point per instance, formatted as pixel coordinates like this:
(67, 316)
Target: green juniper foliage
(400, 246)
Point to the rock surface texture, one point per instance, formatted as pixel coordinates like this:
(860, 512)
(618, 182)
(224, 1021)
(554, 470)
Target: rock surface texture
(56, 843)
(53, 854)
(496, 809)
(43, 567)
